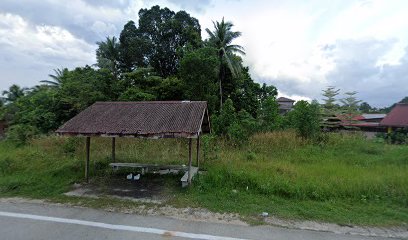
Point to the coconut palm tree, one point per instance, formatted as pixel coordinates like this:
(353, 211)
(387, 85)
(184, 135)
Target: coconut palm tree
(107, 55)
(14, 93)
(56, 77)
(221, 38)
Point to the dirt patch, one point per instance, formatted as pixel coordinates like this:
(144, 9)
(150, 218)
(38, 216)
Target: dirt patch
(154, 188)
(396, 232)
(190, 214)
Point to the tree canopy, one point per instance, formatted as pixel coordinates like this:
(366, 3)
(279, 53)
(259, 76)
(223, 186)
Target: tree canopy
(159, 41)
(160, 57)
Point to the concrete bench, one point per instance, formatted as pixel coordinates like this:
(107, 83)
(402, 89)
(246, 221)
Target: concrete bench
(184, 179)
(145, 168)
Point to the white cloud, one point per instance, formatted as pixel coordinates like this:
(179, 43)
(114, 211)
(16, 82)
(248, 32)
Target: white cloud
(39, 46)
(301, 47)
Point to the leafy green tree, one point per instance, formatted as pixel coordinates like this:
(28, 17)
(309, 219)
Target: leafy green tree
(135, 94)
(248, 123)
(221, 38)
(82, 87)
(236, 127)
(171, 88)
(38, 108)
(267, 91)
(107, 55)
(365, 108)
(2, 109)
(244, 92)
(225, 119)
(198, 70)
(305, 119)
(269, 116)
(160, 40)
(144, 79)
(134, 48)
(350, 106)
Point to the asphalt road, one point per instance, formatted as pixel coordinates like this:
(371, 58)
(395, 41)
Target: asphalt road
(42, 221)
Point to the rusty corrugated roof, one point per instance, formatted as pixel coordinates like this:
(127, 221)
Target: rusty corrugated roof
(140, 119)
(398, 117)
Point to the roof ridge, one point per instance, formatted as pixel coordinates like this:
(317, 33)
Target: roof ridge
(149, 102)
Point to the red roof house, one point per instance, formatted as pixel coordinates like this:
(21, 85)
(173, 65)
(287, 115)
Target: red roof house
(398, 117)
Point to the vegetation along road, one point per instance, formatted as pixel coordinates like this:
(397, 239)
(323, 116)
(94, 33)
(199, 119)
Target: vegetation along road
(38, 221)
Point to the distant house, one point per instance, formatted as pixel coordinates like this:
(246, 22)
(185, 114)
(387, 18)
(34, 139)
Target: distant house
(3, 126)
(367, 122)
(285, 104)
(373, 117)
(397, 118)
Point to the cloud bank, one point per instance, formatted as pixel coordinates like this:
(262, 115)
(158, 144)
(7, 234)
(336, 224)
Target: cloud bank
(299, 47)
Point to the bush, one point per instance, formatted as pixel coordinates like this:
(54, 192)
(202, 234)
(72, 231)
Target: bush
(70, 145)
(269, 116)
(237, 134)
(225, 119)
(398, 136)
(210, 147)
(237, 127)
(20, 134)
(305, 119)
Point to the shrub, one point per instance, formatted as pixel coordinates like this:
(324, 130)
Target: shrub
(237, 127)
(305, 119)
(210, 147)
(269, 116)
(237, 134)
(398, 136)
(225, 119)
(20, 134)
(70, 145)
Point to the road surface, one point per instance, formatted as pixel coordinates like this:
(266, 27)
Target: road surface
(41, 221)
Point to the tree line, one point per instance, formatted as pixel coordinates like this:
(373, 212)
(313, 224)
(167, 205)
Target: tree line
(162, 57)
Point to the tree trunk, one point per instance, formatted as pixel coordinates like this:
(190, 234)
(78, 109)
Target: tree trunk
(220, 76)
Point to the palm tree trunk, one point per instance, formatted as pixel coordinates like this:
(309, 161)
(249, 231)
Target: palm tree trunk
(220, 94)
(221, 76)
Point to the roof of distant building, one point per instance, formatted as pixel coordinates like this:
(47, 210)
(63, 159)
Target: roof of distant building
(284, 99)
(398, 117)
(373, 115)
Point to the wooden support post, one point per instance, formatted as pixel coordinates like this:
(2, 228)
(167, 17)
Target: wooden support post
(88, 145)
(189, 160)
(198, 151)
(113, 149)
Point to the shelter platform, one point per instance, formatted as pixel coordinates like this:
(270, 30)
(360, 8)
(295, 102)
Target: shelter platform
(146, 167)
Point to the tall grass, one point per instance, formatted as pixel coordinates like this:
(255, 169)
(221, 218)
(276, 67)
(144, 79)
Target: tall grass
(281, 164)
(344, 174)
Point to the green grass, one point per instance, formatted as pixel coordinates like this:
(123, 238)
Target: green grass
(347, 180)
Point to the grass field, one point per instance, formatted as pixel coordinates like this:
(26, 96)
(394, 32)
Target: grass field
(347, 180)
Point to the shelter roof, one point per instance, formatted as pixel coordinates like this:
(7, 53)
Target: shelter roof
(157, 119)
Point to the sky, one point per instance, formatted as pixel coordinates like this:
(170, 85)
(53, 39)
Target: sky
(301, 47)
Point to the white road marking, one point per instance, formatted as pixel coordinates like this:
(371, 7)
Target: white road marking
(117, 227)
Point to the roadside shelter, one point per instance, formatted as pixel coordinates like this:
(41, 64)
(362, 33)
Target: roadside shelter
(154, 119)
